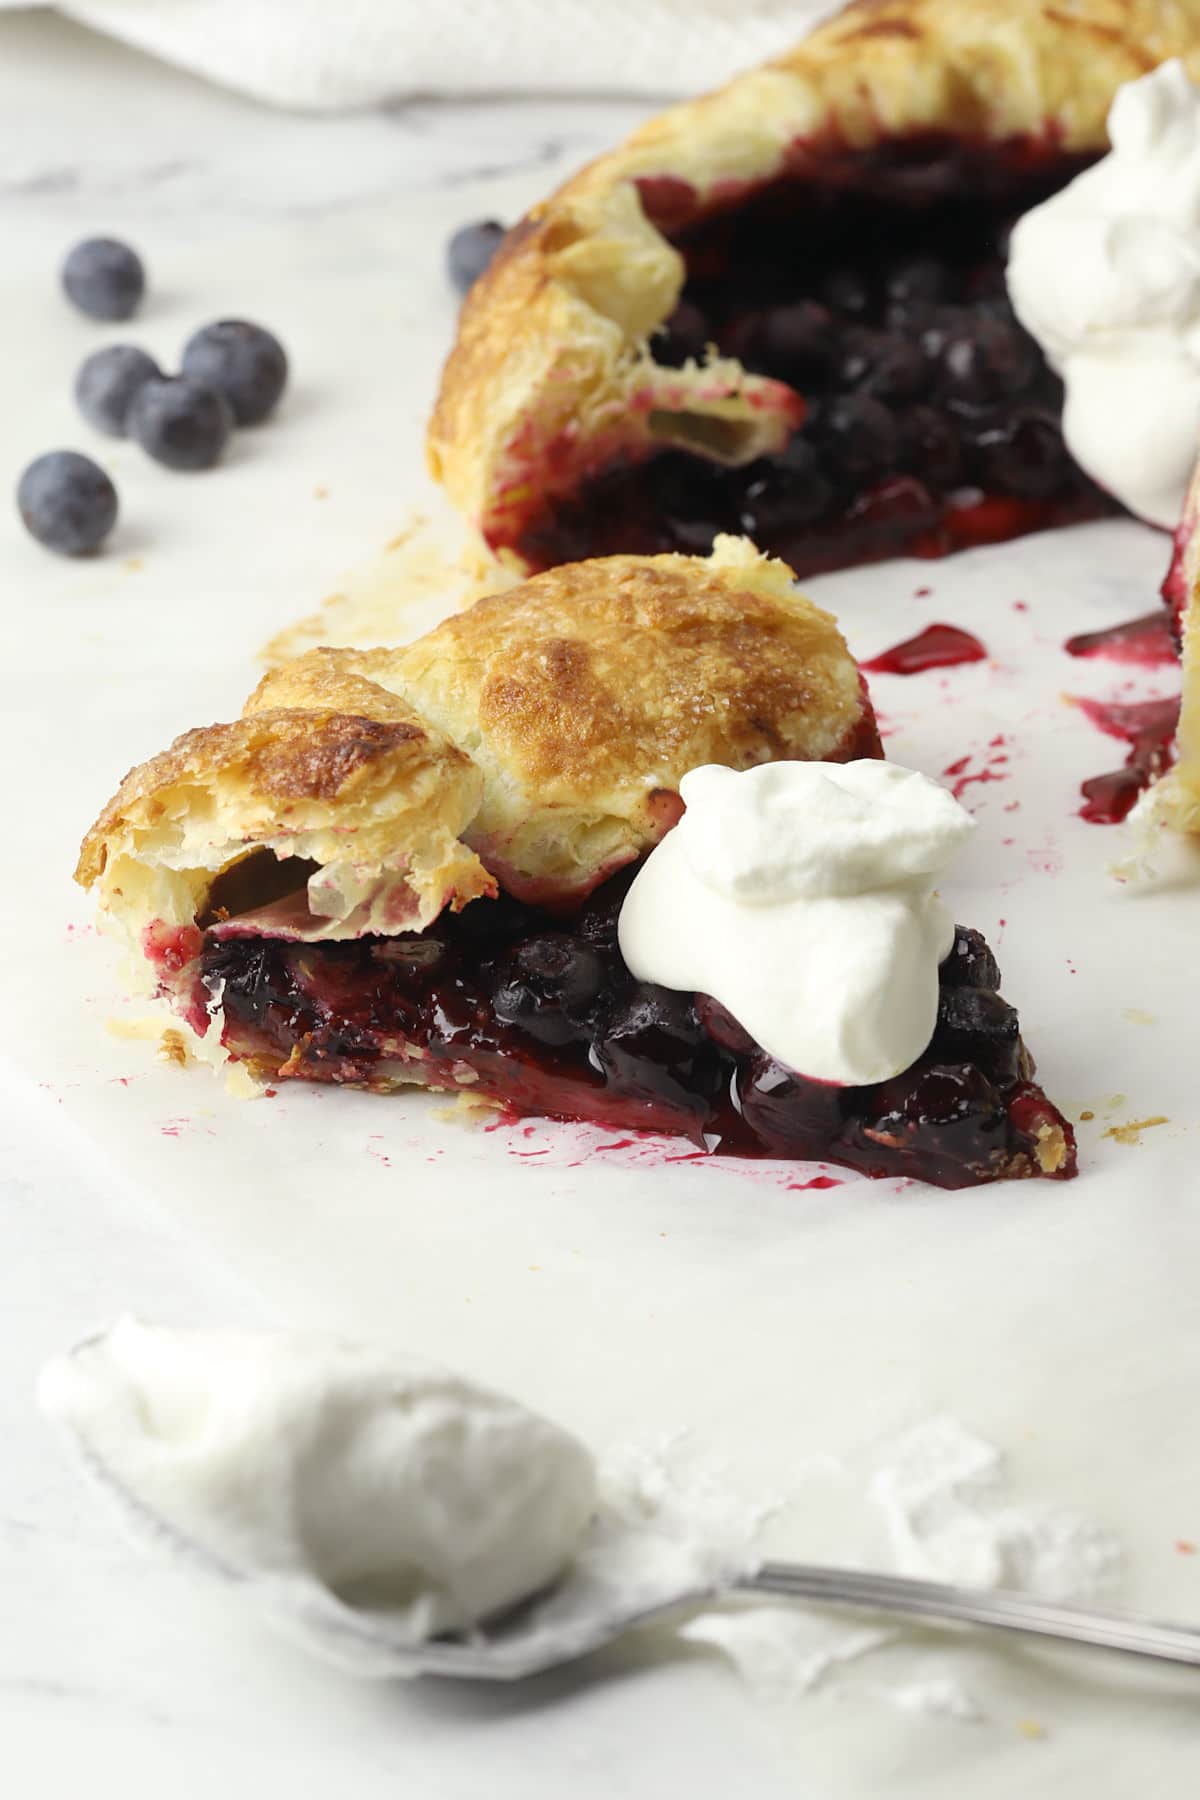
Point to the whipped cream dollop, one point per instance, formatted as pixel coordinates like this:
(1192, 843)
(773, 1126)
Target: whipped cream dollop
(801, 897)
(1106, 276)
(341, 1476)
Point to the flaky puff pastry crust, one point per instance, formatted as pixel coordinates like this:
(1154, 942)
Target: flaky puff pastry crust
(585, 696)
(551, 377)
(539, 737)
(369, 792)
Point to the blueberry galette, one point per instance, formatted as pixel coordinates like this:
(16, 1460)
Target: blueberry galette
(781, 309)
(406, 866)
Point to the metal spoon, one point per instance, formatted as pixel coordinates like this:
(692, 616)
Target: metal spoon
(528, 1644)
(578, 1616)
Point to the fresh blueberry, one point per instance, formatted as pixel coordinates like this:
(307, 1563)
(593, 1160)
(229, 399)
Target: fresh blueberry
(858, 437)
(181, 422)
(883, 364)
(242, 361)
(987, 362)
(104, 278)
(930, 447)
(682, 338)
(470, 251)
(1023, 455)
(107, 382)
(67, 502)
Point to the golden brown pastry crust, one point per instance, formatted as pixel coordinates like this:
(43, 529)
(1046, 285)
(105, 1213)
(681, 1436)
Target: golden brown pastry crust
(539, 737)
(375, 796)
(585, 695)
(550, 375)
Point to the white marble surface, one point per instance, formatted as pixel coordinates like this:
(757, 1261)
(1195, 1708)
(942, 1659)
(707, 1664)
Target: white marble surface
(1035, 1315)
(106, 1685)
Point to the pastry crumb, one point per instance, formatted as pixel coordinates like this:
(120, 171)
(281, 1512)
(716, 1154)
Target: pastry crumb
(240, 1083)
(465, 1109)
(1131, 1133)
(382, 602)
(171, 1048)
(1136, 1016)
(144, 1029)
(1087, 1113)
(1030, 1728)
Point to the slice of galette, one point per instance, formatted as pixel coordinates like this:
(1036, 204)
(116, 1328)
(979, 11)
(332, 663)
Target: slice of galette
(409, 866)
(781, 309)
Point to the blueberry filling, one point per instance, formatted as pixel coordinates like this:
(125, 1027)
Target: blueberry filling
(876, 289)
(544, 1016)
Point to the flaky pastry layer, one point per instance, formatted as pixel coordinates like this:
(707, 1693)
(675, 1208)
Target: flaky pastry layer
(537, 739)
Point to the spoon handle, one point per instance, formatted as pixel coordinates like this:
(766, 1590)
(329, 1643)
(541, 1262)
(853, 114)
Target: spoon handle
(999, 1608)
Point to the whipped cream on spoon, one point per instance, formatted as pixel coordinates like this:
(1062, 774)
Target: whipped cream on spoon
(296, 1465)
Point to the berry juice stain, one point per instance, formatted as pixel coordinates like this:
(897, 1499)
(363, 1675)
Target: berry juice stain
(937, 647)
(1146, 640)
(1148, 727)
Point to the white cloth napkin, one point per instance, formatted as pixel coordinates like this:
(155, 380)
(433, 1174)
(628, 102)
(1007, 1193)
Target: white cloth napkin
(348, 53)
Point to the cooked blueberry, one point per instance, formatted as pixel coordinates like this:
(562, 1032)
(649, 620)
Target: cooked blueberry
(104, 278)
(785, 1112)
(694, 537)
(930, 447)
(986, 362)
(976, 1025)
(883, 364)
(935, 326)
(919, 278)
(784, 492)
(67, 502)
(1023, 455)
(795, 343)
(546, 985)
(682, 338)
(242, 361)
(470, 251)
(492, 921)
(970, 963)
(723, 1028)
(653, 1046)
(691, 496)
(597, 919)
(180, 422)
(858, 437)
(846, 291)
(957, 1098)
(107, 382)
